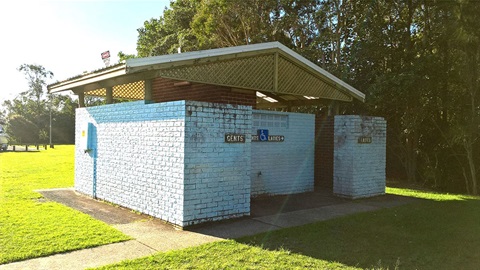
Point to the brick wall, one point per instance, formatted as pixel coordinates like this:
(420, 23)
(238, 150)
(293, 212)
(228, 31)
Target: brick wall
(137, 157)
(168, 160)
(324, 151)
(217, 174)
(359, 168)
(283, 167)
(164, 90)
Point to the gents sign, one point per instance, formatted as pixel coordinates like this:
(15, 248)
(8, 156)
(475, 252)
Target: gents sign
(234, 138)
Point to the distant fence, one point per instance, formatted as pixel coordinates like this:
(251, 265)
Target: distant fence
(35, 145)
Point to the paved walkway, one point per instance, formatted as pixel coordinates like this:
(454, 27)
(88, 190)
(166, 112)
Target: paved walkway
(152, 235)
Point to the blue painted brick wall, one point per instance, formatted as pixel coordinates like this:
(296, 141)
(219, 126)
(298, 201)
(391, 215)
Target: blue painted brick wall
(217, 174)
(283, 167)
(137, 160)
(168, 160)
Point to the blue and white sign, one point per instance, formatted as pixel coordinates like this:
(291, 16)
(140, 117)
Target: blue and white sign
(262, 135)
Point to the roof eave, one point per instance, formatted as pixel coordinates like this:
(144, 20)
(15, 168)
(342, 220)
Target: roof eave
(168, 61)
(87, 79)
(228, 52)
(142, 65)
(325, 75)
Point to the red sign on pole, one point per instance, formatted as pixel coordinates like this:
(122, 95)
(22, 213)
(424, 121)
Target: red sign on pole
(106, 54)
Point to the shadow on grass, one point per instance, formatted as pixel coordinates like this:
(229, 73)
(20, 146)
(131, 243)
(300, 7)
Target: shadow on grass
(426, 235)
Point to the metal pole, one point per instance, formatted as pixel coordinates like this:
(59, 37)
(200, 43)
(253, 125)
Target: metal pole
(51, 146)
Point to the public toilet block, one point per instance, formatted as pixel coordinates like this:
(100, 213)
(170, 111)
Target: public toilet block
(191, 140)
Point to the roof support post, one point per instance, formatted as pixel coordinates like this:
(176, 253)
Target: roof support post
(275, 72)
(333, 108)
(148, 90)
(109, 95)
(81, 99)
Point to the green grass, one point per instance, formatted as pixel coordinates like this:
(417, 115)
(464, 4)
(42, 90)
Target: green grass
(429, 195)
(227, 255)
(440, 232)
(31, 227)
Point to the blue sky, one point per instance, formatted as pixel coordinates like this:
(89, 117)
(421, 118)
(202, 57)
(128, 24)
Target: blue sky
(67, 37)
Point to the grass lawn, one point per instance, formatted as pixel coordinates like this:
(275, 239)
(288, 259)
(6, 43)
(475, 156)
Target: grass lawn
(31, 227)
(442, 232)
(227, 254)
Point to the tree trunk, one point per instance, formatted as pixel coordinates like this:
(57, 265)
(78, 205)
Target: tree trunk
(467, 184)
(411, 156)
(471, 164)
(472, 129)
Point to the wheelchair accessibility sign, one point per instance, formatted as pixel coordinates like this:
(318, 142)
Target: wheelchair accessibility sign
(263, 136)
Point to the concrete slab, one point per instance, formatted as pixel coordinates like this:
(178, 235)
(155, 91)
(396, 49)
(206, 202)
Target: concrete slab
(236, 228)
(108, 213)
(302, 217)
(163, 237)
(271, 205)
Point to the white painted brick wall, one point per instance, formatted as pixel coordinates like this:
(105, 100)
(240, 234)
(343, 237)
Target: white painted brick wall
(283, 167)
(138, 157)
(217, 174)
(170, 160)
(359, 168)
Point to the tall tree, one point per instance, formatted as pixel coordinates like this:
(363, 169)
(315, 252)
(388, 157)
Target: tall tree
(416, 60)
(36, 76)
(468, 124)
(28, 115)
(170, 32)
(222, 23)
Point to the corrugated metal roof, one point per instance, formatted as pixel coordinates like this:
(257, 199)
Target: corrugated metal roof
(267, 67)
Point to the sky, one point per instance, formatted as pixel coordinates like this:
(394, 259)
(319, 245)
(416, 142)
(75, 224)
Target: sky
(67, 37)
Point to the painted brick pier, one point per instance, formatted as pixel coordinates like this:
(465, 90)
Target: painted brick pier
(359, 156)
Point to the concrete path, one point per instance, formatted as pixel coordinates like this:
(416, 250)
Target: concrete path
(152, 235)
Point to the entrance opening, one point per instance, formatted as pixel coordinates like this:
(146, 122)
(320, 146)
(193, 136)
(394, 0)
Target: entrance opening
(324, 142)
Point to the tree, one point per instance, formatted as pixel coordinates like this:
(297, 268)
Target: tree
(63, 119)
(32, 105)
(122, 56)
(170, 32)
(3, 117)
(35, 76)
(28, 114)
(417, 61)
(468, 124)
(224, 23)
(22, 130)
